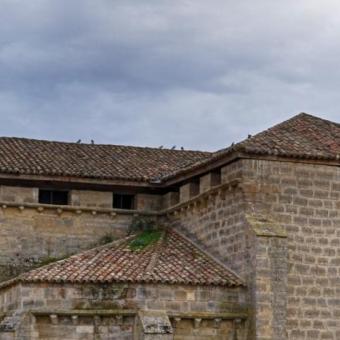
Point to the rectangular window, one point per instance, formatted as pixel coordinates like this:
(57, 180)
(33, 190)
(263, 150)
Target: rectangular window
(123, 201)
(57, 197)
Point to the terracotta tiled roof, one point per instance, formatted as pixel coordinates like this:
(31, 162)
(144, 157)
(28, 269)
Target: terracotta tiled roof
(303, 136)
(38, 157)
(171, 259)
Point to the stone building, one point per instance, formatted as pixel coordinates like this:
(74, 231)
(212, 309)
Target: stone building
(118, 242)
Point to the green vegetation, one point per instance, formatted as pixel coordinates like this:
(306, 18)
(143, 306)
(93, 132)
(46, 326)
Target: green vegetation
(146, 238)
(147, 232)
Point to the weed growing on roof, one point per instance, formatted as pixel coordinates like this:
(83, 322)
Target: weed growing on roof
(145, 239)
(146, 230)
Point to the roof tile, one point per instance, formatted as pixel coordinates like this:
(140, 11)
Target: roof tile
(303, 136)
(39, 157)
(173, 259)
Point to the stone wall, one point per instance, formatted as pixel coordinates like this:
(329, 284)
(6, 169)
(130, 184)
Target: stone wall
(269, 289)
(29, 236)
(208, 329)
(33, 233)
(18, 194)
(83, 328)
(304, 199)
(209, 181)
(147, 202)
(217, 222)
(172, 298)
(10, 299)
(225, 223)
(108, 311)
(89, 198)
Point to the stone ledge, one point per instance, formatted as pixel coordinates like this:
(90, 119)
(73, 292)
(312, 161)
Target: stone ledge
(83, 312)
(210, 315)
(131, 312)
(74, 209)
(191, 203)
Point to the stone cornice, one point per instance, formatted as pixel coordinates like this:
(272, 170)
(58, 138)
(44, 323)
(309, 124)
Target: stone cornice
(191, 203)
(241, 314)
(60, 209)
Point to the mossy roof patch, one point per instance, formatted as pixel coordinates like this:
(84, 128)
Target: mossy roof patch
(144, 239)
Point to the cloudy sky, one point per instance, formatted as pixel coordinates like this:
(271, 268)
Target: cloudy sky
(194, 73)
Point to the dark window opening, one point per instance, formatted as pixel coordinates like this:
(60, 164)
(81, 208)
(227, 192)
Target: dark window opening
(123, 201)
(56, 197)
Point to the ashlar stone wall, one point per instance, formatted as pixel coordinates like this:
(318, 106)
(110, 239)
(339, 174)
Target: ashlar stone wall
(293, 281)
(217, 221)
(226, 223)
(56, 311)
(304, 199)
(91, 198)
(34, 235)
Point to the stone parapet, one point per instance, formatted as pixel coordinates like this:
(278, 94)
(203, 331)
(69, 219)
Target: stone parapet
(188, 190)
(94, 199)
(209, 181)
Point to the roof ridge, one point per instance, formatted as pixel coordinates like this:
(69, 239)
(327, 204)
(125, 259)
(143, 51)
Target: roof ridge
(245, 145)
(211, 257)
(316, 118)
(286, 122)
(154, 257)
(102, 144)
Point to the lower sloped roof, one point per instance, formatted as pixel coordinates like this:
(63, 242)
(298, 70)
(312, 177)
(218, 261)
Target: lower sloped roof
(151, 257)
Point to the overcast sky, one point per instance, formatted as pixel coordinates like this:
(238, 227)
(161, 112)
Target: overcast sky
(194, 73)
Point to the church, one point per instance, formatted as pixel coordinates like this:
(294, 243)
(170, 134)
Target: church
(120, 242)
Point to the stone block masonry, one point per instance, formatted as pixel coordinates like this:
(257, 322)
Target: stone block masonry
(303, 198)
(109, 311)
(29, 237)
(87, 198)
(33, 233)
(276, 225)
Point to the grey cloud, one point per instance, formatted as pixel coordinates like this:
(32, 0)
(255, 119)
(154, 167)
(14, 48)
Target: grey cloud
(193, 73)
